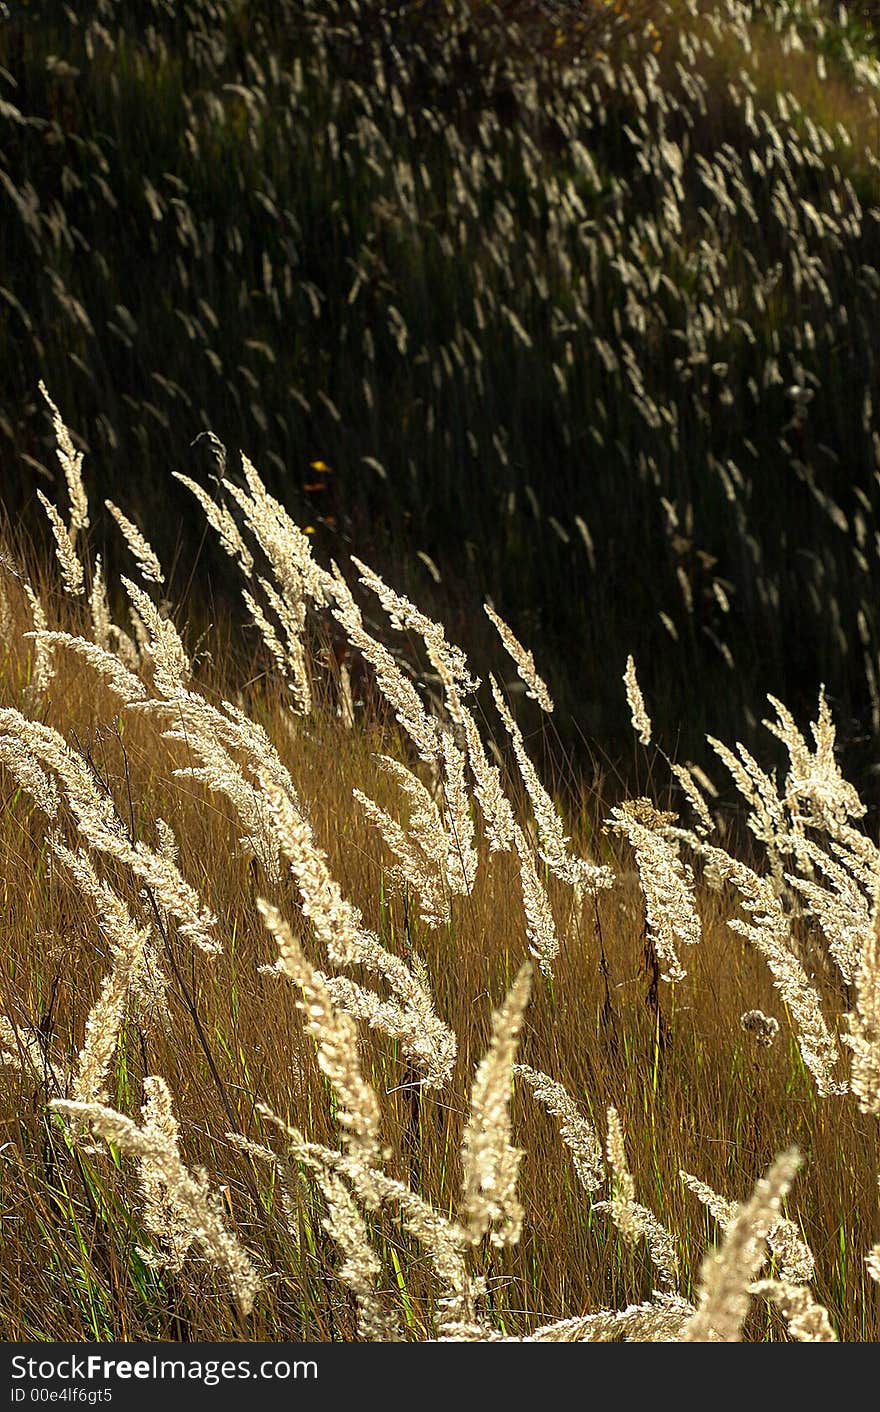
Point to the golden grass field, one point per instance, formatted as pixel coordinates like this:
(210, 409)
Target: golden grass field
(327, 994)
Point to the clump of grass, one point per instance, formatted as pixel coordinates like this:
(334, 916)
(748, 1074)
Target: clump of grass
(358, 1153)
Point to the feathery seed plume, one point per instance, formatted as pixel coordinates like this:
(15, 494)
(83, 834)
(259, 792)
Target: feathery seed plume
(15, 755)
(807, 1320)
(447, 660)
(5, 609)
(43, 668)
(344, 1223)
(641, 721)
(172, 668)
(525, 662)
(27, 1049)
(576, 1131)
(838, 901)
(633, 1220)
(444, 1241)
(723, 1210)
(727, 1275)
(400, 693)
(142, 551)
(414, 867)
(864, 1020)
(70, 461)
(552, 839)
(99, 608)
(541, 931)
(667, 883)
(495, 807)
(181, 1209)
(221, 521)
(769, 932)
(134, 972)
(99, 821)
(794, 1258)
(116, 676)
(461, 859)
(660, 1320)
(691, 791)
(336, 1038)
(296, 668)
(72, 572)
(490, 1162)
(410, 1015)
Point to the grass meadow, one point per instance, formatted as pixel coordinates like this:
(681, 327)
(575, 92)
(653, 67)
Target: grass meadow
(320, 1024)
(438, 672)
